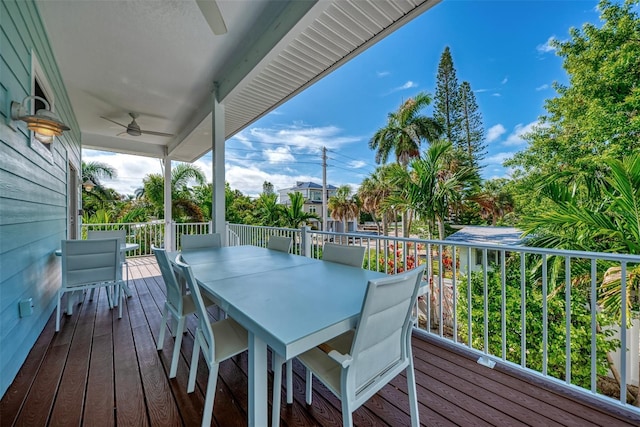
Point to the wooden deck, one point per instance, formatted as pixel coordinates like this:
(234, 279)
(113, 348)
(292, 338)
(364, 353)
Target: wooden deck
(101, 371)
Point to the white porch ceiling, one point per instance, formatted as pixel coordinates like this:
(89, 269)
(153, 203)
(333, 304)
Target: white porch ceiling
(159, 58)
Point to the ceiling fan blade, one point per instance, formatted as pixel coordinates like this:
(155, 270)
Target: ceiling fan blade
(109, 120)
(150, 132)
(211, 12)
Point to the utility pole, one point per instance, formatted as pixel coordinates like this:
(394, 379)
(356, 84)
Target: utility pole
(324, 188)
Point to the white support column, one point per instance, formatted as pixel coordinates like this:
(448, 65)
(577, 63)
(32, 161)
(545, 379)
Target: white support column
(169, 244)
(217, 162)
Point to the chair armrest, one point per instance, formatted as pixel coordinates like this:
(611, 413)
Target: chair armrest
(343, 359)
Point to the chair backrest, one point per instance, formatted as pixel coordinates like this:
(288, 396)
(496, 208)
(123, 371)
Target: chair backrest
(198, 241)
(382, 337)
(85, 262)
(343, 254)
(279, 243)
(201, 310)
(121, 235)
(174, 290)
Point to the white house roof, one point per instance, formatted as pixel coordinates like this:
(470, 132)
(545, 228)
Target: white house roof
(487, 235)
(160, 59)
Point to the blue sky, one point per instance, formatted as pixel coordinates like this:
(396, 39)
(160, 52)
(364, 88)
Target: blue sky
(500, 47)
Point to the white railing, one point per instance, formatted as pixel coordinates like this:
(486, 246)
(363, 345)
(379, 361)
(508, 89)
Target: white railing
(259, 235)
(525, 307)
(146, 234)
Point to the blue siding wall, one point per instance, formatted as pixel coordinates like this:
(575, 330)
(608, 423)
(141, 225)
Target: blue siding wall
(33, 188)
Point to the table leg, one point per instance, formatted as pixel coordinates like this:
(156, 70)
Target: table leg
(257, 381)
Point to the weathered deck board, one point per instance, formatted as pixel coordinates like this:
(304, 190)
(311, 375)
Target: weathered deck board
(101, 370)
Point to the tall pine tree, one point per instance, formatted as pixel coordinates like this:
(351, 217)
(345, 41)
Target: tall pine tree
(445, 108)
(471, 135)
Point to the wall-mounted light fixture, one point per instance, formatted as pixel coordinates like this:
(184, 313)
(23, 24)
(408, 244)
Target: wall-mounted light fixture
(44, 123)
(88, 185)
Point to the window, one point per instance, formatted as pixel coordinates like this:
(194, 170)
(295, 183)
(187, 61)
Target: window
(40, 87)
(312, 209)
(492, 256)
(316, 196)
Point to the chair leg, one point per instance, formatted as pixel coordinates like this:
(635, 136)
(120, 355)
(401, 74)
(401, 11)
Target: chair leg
(91, 294)
(277, 388)
(193, 369)
(309, 387)
(58, 311)
(120, 303)
(347, 417)
(413, 395)
(163, 327)
(176, 347)
(289, 382)
(210, 396)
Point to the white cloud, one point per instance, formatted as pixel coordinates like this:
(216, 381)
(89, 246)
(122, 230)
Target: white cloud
(408, 85)
(546, 47)
(496, 94)
(542, 87)
(505, 80)
(357, 164)
(495, 132)
(299, 136)
(515, 138)
(481, 90)
(278, 155)
(383, 73)
(497, 159)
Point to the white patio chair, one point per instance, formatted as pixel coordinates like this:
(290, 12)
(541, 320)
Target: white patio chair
(177, 304)
(356, 365)
(121, 235)
(218, 341)
(332, 252)
(90, 264)
(200, 241)
(343, 254)
(280, 243)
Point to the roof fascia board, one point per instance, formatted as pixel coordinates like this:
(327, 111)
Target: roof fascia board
(284, 26)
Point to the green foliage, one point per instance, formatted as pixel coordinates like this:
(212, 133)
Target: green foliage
(533, 299)
(597, 114)
(405, 130)
(293, 214)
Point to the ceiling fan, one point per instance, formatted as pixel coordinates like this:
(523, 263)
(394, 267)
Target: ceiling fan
(211, 12)
(133, 128)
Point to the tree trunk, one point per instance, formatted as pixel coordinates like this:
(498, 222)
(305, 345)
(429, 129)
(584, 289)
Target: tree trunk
(441, 231)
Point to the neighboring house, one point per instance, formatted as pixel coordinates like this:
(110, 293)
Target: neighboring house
(312, 194)
(484, 235)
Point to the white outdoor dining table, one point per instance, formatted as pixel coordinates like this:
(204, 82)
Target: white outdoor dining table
(288, 302)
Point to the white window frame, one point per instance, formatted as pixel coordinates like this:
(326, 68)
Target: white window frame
(38, 74)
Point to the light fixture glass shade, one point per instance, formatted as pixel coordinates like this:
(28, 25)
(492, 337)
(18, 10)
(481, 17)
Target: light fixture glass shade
(45, 123)
(88, 185)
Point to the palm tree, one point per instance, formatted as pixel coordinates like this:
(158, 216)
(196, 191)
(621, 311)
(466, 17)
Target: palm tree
(494, 201)
(372, 192)
(343, 205)
(182, 201)
(572, 221)
(293, 215)
(95, 199)
(431, 185)
(405, 130)
(268, 210)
